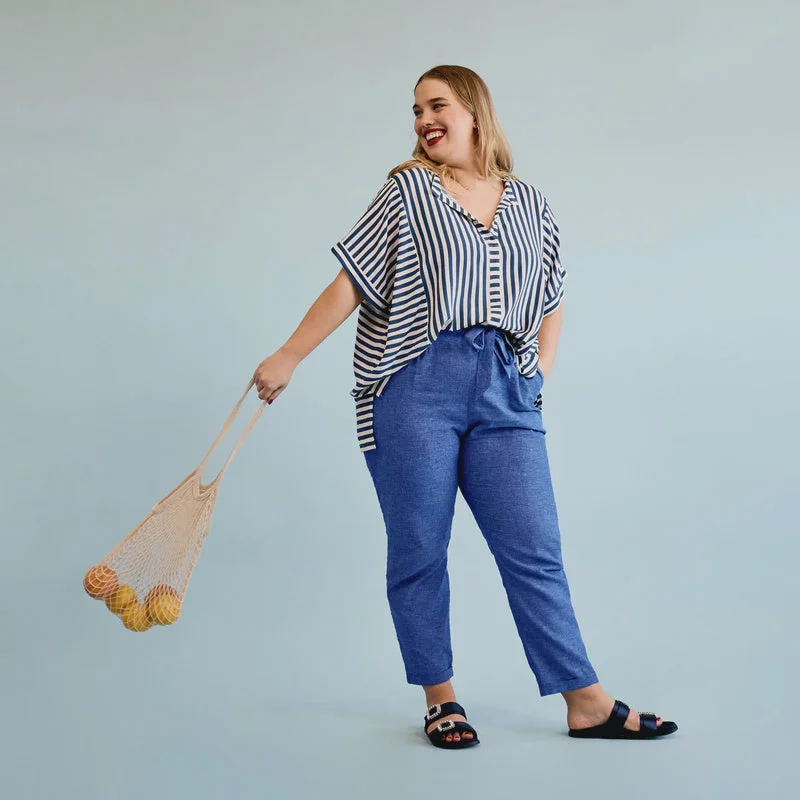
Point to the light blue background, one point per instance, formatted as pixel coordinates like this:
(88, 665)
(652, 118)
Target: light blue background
(173, 176)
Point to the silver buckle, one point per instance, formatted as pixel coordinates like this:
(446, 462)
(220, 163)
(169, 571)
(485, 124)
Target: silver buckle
(437, 710)
(446, 725)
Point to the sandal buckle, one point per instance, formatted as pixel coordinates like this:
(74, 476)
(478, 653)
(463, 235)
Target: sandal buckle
(446, 725)
(434, 711)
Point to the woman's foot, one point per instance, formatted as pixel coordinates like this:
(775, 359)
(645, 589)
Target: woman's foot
(443, 693)
(451, 737)
(592, 706)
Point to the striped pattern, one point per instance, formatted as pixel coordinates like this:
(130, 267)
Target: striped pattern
(422, 263)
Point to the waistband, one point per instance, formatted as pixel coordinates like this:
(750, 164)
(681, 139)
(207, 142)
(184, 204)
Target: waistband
(481, 336)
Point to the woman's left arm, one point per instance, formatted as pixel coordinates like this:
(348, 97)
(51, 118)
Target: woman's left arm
(549, 333)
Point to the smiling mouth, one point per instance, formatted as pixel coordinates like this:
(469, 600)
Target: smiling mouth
(432, 142)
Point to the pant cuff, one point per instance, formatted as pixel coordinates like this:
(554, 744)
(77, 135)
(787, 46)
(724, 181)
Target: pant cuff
(568, 686)
(430, 680)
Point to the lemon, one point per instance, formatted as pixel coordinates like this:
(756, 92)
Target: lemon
(163, 609)
(121, 598)
(134, 617)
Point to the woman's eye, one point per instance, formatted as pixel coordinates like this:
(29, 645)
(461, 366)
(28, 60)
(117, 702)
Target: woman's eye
(416, 113)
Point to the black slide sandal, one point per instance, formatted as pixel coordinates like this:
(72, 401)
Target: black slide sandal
(614, 726)
(438, 734)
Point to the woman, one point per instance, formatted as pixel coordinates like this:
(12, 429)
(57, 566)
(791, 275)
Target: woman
(455, 266)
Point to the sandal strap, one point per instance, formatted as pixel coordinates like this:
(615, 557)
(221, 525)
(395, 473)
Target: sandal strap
(619, 716)
(647, 721)
(454, 725)
(443, 710)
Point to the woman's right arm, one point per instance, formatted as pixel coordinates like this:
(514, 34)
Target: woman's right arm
(333, 306)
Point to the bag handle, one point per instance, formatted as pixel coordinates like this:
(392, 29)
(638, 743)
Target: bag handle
(201, 467)
(198, 471)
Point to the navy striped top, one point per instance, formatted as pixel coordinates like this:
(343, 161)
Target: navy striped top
(422, 263)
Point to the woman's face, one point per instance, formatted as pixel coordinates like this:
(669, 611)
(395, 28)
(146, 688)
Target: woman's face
(436, 108)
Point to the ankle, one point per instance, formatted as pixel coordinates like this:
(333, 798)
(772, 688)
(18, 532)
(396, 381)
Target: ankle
(587, 696)
(439, 693)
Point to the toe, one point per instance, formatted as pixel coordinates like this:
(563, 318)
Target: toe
(454, 736)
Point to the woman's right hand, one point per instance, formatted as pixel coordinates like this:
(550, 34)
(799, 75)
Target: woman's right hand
(273, 374)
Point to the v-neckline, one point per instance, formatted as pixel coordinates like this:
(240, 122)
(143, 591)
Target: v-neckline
(505, 200)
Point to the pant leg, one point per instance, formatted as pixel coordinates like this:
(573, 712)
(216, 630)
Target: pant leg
(504, 476)
(414, 470)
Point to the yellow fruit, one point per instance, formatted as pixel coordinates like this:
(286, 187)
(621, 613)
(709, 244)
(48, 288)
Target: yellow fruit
(163, 609)
(100, 581)
(134, 617)
(121, 598)
(160, 589)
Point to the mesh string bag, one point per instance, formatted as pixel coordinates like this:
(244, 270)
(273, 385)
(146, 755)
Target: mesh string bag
(143, 580)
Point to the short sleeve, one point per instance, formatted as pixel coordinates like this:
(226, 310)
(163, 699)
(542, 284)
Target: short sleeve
(554, 288)
(368, 252)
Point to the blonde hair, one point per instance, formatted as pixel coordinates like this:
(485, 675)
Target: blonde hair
(493, 150)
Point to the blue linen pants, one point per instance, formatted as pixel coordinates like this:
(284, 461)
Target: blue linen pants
(461, 416)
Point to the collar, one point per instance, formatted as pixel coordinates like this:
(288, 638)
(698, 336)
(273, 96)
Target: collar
(508, 198)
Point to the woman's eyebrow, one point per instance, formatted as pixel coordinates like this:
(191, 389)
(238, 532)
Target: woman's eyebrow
(432, 100)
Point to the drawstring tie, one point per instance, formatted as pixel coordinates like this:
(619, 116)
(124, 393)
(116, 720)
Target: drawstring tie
(499, 344)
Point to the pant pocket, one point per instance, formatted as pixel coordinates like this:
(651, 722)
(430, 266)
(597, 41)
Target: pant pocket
(526, 395)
